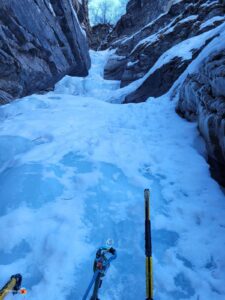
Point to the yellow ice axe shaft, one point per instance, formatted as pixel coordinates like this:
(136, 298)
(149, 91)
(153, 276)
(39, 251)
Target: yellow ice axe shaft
(12, 285)
(148, 247)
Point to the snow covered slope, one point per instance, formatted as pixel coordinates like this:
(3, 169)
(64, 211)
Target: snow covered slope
(73, 167)
(185, 45)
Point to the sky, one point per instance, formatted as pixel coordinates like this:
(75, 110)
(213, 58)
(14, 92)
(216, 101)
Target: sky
(106, 10)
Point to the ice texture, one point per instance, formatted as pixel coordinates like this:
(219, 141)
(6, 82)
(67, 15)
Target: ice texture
(73, 170)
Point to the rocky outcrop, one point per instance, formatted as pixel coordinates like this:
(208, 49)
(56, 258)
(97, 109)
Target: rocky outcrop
(163, 77)
(115, 67)
(183, 27)
(81, 8)
(202, 98)
(138, 54)
(41, 41)
(138, 14)
(131, 29)
(100, 32)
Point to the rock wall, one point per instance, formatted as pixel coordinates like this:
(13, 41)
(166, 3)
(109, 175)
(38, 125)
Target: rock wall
(138, 53)
(202, 98)
(41, 41)
(81, 8)
(99, 35)
(138, 14)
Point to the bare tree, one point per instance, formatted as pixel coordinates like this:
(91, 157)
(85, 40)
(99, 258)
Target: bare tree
(106, 11)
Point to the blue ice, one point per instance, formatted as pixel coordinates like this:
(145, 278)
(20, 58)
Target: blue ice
(25, 184)
(18, 252)
(185, 290)
(77, 161)
(11, 146)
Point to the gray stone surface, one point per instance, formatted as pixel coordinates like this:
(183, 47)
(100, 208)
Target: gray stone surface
(41, 41)
(115, 67)
(166, 31)
(162, 79)
(81, 8)
(202, 98)
(138, 14)
(159, 82)
(99, 34)
(125, 35)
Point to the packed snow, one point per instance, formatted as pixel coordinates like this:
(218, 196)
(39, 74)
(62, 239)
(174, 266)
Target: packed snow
(73, 167)
(211, 21)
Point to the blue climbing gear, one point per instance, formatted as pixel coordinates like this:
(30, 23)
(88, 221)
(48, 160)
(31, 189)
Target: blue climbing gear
(101, 265)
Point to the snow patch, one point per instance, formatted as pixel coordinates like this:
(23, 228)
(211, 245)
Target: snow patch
(211, 21)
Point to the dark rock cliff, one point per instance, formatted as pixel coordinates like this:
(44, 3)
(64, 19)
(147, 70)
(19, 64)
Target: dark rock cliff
(41, 41)
(190, 16)
(138, 14)
(136, 54)
(82, 11)
(99, 34)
